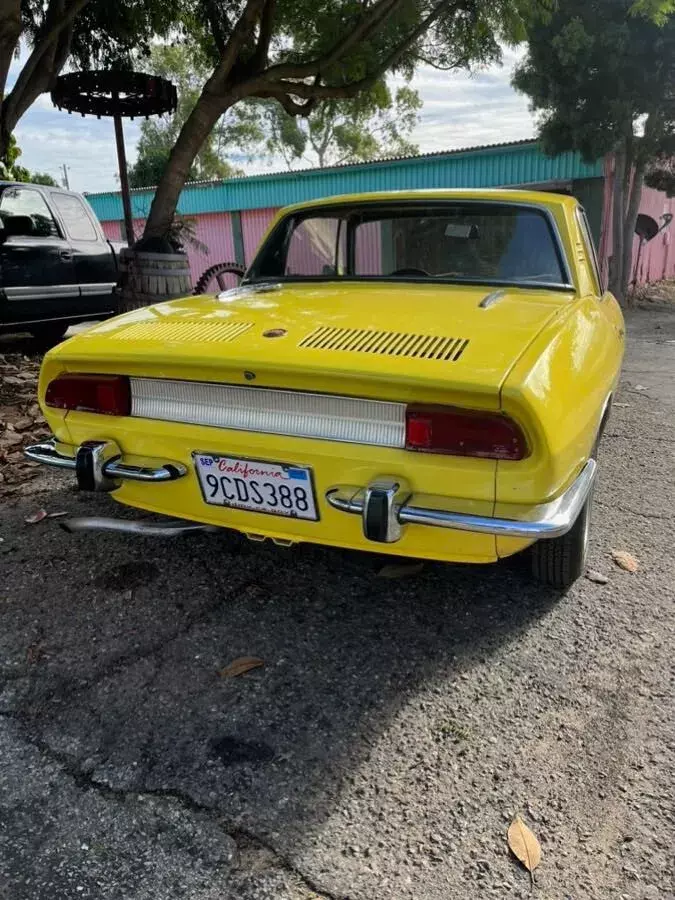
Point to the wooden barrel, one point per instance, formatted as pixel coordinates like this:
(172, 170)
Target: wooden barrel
(148, 278)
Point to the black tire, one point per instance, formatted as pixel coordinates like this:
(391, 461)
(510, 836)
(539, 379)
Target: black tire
(49, 333)
(558, 562)
(224, 268)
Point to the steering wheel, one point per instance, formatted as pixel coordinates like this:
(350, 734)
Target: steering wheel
(411, 271)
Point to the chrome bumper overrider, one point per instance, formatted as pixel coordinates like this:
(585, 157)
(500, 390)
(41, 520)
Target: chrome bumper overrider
(98, 465)
(386, 504)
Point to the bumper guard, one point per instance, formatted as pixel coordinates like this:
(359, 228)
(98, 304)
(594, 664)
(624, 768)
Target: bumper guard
(386, 504)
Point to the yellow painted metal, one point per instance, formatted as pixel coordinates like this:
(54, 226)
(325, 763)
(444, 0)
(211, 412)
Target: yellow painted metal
(547, 358)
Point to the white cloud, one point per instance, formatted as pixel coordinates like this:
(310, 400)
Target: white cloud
(460, 110)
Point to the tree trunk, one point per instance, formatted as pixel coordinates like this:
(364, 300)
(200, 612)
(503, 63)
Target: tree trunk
(10, 32)
(629, 227)
(197, 128)
(618, 206)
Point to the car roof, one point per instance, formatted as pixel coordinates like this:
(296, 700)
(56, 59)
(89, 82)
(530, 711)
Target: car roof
(546, 199)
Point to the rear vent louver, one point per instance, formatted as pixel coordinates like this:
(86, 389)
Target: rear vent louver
(199, 332)
(386, 343)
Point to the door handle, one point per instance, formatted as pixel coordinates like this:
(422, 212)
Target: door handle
(66, 254)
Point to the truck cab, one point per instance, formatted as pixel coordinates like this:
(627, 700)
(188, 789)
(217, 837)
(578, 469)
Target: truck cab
(56, 265)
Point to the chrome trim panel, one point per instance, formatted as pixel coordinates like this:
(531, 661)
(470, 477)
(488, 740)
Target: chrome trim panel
(246, 290)
(491, 298)
(103, 287)
(107, 468)
(327, 417)
(42, 292)
(131, 526)
(548, 520)
(50, 455)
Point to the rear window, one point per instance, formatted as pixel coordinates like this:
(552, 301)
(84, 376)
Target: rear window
(79, 226)
(481, 242)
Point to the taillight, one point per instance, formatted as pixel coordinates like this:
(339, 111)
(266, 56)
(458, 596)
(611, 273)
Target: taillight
(109, 395)
(459, 432)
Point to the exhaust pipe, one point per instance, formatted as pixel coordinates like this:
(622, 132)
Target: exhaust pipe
(131, 526)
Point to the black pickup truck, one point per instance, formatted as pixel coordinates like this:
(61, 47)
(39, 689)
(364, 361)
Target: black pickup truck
(56, 266)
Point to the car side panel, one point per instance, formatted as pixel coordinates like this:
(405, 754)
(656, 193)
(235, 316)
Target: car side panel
(559, 389)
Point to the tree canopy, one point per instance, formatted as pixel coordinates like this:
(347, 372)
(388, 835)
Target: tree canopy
(602, 78)
(88, 33)
(375, 124)
(12, 170)
(185, 65)
(308, 52)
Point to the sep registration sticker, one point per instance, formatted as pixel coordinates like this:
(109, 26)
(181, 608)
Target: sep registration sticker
(257, 486)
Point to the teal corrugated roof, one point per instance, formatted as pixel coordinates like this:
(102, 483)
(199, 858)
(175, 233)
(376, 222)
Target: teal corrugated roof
(521, 162)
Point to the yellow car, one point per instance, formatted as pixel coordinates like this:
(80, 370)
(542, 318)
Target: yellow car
(420, 373)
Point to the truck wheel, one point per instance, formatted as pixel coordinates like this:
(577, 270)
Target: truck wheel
(50, 333)
(559, 561)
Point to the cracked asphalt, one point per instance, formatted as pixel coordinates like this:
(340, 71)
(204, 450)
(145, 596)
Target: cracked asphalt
(394, 730)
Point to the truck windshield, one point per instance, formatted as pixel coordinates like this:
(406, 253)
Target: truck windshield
(477, 242)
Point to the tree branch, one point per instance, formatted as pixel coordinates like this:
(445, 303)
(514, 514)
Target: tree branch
(364, 29)
(292, 107)
(317, 91)
(241, 31)
(59, 22)
(265, 36)
(10, 32)
(211, 11)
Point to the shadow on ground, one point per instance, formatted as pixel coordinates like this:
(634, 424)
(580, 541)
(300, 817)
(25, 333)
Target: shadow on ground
(116, 659)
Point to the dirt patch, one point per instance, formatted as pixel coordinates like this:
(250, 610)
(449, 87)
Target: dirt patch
(21, 420)
(658, 295)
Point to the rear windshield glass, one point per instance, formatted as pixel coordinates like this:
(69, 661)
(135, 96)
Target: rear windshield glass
(481, 242)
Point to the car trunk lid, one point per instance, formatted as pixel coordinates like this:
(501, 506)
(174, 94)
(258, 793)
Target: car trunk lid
(385, 341)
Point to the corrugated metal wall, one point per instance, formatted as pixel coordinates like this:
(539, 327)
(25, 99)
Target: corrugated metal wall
(504, 164)
(254, 224)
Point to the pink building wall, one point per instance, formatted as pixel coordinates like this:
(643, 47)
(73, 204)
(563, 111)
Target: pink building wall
(657, 259)
(212, 230)
(254, 224)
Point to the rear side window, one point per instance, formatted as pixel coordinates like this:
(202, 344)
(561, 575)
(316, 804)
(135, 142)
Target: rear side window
(79, 226)
(15, 201)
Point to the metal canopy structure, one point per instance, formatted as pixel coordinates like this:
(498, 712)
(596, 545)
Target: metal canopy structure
(117, 94)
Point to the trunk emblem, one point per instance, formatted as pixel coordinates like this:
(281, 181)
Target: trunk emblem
(275, 332)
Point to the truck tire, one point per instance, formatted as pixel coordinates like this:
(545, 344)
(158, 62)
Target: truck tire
(558, 562)
(49, 333)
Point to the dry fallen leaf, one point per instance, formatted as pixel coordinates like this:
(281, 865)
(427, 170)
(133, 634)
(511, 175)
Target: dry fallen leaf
(597, 577)
(625, 560)
(241, 665)
(524, 845)
(400, 570)
(36, 517)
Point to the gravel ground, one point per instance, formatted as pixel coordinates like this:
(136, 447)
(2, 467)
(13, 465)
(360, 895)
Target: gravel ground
(394, 730)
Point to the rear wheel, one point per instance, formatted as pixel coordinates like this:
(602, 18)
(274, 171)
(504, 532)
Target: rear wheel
(559, 561)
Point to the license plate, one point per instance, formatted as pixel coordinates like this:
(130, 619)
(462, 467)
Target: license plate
(256, 485)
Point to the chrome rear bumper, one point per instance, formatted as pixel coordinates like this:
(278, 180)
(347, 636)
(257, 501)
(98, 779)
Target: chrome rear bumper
(98, 465)
(386, 504)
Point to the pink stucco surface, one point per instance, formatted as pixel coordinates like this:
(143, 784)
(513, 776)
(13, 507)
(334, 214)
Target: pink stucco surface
(657, 257)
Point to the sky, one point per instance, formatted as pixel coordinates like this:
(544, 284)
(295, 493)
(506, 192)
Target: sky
(460, 110)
